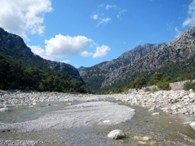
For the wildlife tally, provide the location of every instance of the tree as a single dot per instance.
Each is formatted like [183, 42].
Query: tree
[139, 81]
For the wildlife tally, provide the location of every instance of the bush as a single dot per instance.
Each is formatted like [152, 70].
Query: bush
[147, 90]
[139, 81]
[161, 80]
[189, 85]
[164, 85]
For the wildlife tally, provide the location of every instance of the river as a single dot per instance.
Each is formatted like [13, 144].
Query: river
[164, 129]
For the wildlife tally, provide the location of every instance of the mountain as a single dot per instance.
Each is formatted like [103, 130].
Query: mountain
[96, 75]
[15, 54]
[81, 68]
[147, 58]
[14, 48]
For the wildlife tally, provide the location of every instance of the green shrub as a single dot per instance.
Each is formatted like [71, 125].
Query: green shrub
[164, 85]
[147, 90]
[189, 85]
[154, 89]
[161, 80]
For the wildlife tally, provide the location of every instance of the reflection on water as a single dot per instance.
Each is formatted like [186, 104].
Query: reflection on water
[164, 129]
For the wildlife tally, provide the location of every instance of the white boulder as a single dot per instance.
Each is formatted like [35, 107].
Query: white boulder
[192, 125]
[116, 134]
[192, 95]
[155, 114]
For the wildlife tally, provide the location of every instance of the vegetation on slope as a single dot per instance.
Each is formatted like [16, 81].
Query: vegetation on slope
[14, 76]
[179, 71]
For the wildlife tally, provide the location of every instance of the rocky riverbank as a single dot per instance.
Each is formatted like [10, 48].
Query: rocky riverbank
[173, 102]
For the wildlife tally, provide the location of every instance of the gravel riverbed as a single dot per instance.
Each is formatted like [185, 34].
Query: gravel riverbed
[173, 102]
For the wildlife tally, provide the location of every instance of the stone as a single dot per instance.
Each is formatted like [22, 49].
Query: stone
[155, 114]
[146, 138]
[142, 142]
[106, 121]
[183, 110]
[136, 137]
[192, 125]
[4, 108]
[192, 95]
[173, 107]
[192, 100]
[191, 91]
[116, 134]
[151, 109]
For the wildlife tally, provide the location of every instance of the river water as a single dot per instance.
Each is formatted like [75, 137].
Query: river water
[164, 129]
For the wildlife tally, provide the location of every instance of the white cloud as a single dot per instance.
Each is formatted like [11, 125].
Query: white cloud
[66, 61]
[95, 17]
[107, 12]
[178, 32]
[104, 21]
[40, 51]
[101, 51]
[190, 21]
[24, 16]
[86, 53]
[62, 45]
[101, 19]
[108, 7]
[120, 13]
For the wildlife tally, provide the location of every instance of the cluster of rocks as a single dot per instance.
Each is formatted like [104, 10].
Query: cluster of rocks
[173, 102]
[143, 140]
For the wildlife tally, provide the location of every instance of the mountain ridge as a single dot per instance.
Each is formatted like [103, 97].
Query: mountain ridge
[13, 47]
[177, 50]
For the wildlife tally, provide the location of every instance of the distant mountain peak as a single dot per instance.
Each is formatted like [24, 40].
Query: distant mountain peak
[147, 57]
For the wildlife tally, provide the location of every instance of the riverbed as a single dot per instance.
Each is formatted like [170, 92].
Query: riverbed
[163, 129]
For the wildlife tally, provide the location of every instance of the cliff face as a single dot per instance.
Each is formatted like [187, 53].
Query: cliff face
[147, 58]
[14, 48]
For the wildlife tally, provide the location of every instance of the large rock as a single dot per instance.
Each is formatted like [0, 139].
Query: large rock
[116, 134]
[192, 125]
[4, 108]
[192, 95]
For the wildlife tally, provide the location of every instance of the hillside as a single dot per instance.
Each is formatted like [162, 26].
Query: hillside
[15, 54]
[147, 58]
[13, 47]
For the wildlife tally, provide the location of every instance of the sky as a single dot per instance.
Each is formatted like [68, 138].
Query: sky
[88, 32]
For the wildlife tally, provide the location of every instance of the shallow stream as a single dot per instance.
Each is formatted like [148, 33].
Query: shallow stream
[164, 129]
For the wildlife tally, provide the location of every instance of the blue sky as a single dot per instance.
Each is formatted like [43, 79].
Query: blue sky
[87, 32]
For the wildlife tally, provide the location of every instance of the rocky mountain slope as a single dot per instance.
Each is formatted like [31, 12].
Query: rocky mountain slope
[13, 47]
[145, 58]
